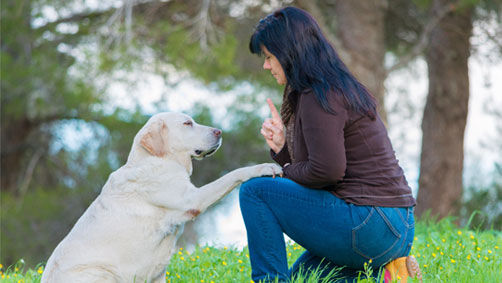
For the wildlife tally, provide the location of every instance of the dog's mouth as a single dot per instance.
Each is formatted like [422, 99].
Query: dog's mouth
[199, 153]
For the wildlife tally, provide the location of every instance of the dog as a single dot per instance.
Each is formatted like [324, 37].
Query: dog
[129, 232]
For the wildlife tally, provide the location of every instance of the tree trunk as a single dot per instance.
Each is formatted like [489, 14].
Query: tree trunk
[357, 33]
[360, 28]
[445, 113]
[14, 134]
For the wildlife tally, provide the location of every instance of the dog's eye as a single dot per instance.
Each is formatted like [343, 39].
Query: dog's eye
[188, 123]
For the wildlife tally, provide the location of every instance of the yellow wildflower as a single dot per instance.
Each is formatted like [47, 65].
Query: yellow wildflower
[497, 247]
[486, 257]
[1, 266]
[478, 248]
[167, 273]
[428, 245]
[469, 256]
[180, 253]
[202, 281]
[441, 253]
[289, 254]
[240, 261]
[472, 236]
[224, 263]
[459, 232]
[40, 270]
[452, 260]
[489, 251]
[182, 258]
[443, 240]
[433, 255]
[479, 256]
[425, 265]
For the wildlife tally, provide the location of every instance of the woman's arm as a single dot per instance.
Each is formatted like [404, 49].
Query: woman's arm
[324, 138]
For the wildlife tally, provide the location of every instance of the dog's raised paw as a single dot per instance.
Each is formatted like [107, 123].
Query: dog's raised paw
[269, 169]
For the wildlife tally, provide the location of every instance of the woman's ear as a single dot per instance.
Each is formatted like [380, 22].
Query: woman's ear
[155, 139]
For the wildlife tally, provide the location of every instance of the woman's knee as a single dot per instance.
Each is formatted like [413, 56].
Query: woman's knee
[251, 186]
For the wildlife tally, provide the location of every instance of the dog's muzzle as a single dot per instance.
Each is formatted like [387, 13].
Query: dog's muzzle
[199, 154]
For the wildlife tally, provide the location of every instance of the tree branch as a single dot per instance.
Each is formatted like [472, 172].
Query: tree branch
[423, 40]
[29, 171]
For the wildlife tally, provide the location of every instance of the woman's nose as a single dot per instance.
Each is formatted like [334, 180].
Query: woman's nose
[266, 65]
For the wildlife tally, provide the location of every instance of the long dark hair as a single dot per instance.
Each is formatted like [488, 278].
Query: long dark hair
[308, 59]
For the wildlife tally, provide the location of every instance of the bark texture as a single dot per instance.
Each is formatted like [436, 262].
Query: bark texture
[445, 113]
[356, 30]
[360, 28]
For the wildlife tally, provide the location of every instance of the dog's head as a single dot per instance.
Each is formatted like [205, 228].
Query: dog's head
[177, 136]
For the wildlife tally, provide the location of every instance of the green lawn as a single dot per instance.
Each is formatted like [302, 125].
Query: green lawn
[445, 253]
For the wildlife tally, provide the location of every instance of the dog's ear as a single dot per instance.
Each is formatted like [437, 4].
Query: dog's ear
[155, 139]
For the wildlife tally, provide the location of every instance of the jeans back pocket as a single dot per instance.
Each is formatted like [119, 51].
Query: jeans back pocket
[375, 236]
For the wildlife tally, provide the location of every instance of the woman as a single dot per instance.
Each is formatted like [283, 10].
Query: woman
[343, 197]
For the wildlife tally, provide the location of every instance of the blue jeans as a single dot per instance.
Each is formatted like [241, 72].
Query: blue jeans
[335, 234]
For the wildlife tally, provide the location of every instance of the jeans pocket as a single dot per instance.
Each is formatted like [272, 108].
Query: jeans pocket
[375, 236]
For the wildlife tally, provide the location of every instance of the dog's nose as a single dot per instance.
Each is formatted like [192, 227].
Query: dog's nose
[217, 132]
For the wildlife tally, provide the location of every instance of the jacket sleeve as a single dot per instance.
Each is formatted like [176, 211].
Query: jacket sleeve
[323, 133]
[282, 157]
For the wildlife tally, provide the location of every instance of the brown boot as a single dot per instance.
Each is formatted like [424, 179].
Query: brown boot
[401, 268]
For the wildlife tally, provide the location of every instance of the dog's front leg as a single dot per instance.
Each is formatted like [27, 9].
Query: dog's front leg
[214, 191]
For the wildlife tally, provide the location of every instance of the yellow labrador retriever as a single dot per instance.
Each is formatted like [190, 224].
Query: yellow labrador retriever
[129, 232]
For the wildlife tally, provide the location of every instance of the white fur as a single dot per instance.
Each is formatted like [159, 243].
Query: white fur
[129, 232]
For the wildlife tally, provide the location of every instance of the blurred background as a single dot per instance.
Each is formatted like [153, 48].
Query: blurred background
[80, 77]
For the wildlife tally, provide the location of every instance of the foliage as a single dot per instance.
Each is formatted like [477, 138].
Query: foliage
[445, 254]
[482, 206]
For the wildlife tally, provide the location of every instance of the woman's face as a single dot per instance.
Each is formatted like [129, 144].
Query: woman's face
[271, 63]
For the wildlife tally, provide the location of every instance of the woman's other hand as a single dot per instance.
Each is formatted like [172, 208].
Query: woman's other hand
[273, 129]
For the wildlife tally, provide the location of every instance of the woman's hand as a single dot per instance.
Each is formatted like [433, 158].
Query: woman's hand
[273, 129]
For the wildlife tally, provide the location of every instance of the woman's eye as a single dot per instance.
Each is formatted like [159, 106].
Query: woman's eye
[188, 123]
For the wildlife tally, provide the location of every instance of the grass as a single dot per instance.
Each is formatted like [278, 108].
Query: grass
[445, 253]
